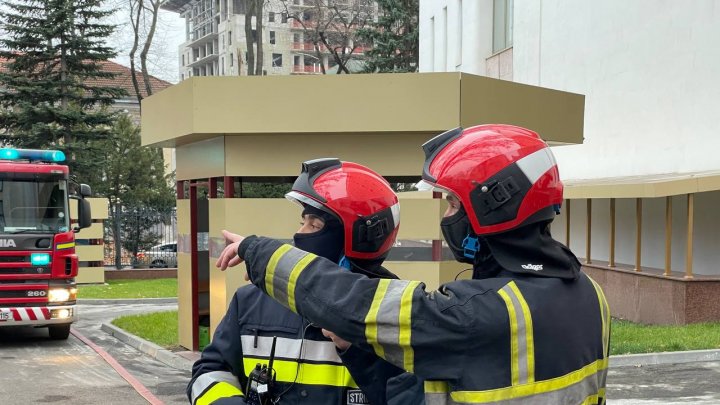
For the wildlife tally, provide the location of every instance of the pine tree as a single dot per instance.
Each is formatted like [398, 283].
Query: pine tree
[394, 38]
[133, 179]
[50, 91]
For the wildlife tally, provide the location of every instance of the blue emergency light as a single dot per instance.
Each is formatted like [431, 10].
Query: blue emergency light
[32, 154]
[40, 259]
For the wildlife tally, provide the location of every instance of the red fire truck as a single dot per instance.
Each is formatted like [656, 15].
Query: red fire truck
[38, 263]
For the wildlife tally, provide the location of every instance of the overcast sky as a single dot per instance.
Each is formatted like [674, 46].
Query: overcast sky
[163, 60]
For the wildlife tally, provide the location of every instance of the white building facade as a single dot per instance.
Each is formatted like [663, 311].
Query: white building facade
[649, 71]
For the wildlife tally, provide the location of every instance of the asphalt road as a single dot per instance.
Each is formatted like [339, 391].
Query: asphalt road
[36, 370]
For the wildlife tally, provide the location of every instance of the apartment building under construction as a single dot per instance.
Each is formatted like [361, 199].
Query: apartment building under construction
[291, 35]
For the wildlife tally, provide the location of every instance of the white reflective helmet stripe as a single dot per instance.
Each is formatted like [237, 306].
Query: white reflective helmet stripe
[536, 164]
[395, 209]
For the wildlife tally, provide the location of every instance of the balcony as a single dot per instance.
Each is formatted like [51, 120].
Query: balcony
[311, 69]
[203, 60]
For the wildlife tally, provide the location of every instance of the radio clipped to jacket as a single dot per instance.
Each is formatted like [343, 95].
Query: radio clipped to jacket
[261, 381]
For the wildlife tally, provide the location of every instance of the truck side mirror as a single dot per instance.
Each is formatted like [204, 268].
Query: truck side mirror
[84, 216]
[85, 190]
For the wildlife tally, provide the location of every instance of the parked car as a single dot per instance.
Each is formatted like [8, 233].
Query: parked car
[159, 256]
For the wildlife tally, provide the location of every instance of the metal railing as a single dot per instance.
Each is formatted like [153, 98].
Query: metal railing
[146, 238]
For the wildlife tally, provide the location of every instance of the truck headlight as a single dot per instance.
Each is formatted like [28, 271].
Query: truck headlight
[62, 294]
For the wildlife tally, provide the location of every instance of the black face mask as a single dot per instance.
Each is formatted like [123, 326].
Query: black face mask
[329, 242]
[455, 229]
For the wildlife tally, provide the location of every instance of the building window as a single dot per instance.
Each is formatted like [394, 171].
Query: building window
[502, 24]
[222, 66]
[272, 37]
[277, 60]
[254, 35]
[232, 59]
[271, 17]
[283, 17]
[229, 37]
[296, 60]
[183, 59]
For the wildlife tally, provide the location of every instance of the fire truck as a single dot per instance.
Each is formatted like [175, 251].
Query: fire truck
[38, 263]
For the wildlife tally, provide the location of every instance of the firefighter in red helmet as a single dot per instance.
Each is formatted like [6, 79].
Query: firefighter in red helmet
[530, 327]
[350, 216]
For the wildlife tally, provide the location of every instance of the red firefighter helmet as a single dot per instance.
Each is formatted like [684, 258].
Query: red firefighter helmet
[362, 200]
[505, 176]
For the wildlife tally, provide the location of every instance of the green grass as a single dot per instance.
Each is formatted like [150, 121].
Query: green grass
[156, 288]
[627, 337]
[160, 328]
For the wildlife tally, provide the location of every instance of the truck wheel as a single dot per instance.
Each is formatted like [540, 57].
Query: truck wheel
[59, 332]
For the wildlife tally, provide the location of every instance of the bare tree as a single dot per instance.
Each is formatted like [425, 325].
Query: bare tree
[253, 37]
[331, 26]
[143, 19]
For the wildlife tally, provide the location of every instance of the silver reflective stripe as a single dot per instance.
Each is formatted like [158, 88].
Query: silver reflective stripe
[388, 322]
[536, 164]
[575, 393]
[203, 382]
[282, 274]
[437, 399]
[285, 348]
[521, 337]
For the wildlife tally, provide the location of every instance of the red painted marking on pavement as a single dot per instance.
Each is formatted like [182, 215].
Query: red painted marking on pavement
[134, 382]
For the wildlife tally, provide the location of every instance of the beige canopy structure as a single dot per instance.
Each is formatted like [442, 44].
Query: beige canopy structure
[651, 241]
[233, 132]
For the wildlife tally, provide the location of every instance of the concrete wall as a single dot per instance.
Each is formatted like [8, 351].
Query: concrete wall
[90, 243]
[455, 35]
[648, 70]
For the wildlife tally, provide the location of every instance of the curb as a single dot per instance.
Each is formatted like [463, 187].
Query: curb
[649, 359]
[626, 360]
[91, 301]
[151, 349]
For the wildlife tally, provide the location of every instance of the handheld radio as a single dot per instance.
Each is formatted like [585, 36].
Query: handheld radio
[261, 381]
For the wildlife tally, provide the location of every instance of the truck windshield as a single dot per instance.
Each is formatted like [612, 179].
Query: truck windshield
[33, 206]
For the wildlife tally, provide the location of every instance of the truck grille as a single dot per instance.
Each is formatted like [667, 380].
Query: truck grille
[24, 270]
[14, 259]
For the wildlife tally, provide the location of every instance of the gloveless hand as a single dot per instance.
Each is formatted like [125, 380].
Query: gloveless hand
[229, 256]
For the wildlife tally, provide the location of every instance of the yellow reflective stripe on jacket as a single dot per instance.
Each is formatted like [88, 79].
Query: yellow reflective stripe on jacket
[406, 326]
[217, 391]
[388, 322]
[581, 383]
[604, 315]
[307, 373]
[210, 386]
[270, 269]
[522, 347]
[371, 329]
[283, 270]
[436, 387]
[292, 280]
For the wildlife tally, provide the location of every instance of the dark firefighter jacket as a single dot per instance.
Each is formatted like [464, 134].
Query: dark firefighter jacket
[510, 339]
[309, 370]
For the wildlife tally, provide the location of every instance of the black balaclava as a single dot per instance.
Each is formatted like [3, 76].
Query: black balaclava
[329, 242]
[531, 250]
[455, 229]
